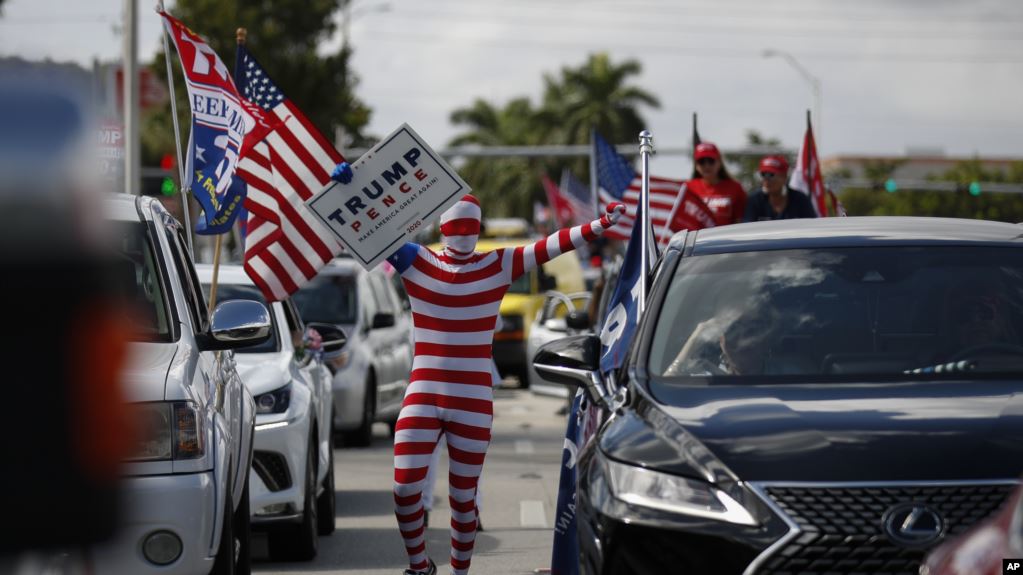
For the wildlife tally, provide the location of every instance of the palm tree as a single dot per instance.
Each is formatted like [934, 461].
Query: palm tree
[505, 186]
[596, 95]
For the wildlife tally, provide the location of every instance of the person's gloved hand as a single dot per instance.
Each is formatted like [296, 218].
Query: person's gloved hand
[614, 212]
[342, 173]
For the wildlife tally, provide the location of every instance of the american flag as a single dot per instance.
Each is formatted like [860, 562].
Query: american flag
[579, 195]
[285, 245]
[619, 182]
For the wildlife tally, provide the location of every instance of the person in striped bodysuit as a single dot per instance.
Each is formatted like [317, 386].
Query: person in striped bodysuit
[455, 297]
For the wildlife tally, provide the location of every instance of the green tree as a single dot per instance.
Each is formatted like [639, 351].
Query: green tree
[596, 94]
[284, 36]
[746, 167]
[506, 186]
[958, 204]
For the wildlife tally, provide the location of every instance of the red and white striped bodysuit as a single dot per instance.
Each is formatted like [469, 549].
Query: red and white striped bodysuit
[455, 298]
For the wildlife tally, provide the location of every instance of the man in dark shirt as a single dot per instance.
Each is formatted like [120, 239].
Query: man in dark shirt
[775, 200]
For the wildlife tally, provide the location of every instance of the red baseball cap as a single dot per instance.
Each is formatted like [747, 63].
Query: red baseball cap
[774, 164]
[707, 150]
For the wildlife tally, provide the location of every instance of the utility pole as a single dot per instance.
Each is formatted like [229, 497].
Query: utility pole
[132, 144]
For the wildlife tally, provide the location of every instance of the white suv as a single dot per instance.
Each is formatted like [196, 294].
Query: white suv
[291, 487]
[185, 490]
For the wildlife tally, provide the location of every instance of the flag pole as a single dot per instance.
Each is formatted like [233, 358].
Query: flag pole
[594, 194]
[177, 133]
[646, 147]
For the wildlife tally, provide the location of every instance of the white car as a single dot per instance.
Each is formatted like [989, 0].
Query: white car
[291, 489]
[550, 324]
[371, 374]
[185, 490]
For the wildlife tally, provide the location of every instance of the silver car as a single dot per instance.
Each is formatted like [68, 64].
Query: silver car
[291, 488]
[186, 496]
[371, 375]
[551, 324]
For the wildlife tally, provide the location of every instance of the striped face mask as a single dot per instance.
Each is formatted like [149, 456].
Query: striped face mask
[460, 226]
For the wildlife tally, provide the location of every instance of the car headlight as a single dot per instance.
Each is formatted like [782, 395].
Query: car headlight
[167, 430]
[275, 401]
[665, 492]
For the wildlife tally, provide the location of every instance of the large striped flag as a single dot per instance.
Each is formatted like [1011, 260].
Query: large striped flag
[285, 245]
[617, 181]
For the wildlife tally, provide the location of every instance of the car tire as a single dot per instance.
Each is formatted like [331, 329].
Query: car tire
[225, 562]
[299, 542]
[325, 503]
[243, 533]
[363, 435]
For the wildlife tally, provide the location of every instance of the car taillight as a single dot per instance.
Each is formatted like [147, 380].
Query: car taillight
[167, 430]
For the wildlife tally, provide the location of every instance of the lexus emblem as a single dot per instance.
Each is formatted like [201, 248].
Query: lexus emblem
[913, 524]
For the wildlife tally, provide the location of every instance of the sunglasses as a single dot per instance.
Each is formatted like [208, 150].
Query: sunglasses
[767, 175]
[706, 161]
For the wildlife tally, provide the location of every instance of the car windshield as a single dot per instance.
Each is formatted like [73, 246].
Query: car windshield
[227, 292]
[138, 283]
[328, 299]
[800, 315]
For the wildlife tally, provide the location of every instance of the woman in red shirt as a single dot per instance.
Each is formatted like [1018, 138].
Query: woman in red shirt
[723, 195]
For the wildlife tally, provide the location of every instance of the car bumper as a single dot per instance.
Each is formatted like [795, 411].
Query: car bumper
[277, 480]
[182, 504]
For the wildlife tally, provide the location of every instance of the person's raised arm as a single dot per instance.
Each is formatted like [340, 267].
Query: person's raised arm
[526, 258]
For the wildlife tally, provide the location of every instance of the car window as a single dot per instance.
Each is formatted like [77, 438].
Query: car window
[840, 313]
[189, 281]
[381, 293]
[226, 292]
[523, 284]
[369, 303]
[328, 299]
[295, 327]
[139, 284]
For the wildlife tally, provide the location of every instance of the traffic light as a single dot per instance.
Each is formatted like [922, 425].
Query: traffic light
[974, 188]
[167, 186]
[890, 186]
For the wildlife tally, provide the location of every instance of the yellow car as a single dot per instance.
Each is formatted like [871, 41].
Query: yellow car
[523, 300]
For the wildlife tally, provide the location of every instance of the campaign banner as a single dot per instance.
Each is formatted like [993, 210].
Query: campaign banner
[398, 187]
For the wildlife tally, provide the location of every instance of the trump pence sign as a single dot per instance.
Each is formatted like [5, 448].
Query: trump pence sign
[397, 187]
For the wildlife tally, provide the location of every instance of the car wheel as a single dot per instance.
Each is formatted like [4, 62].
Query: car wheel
[363, 435]
[243, 534]
[326, 522]
[224, 564]
[299, 542]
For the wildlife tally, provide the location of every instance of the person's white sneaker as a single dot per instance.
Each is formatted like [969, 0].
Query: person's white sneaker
[431, 570]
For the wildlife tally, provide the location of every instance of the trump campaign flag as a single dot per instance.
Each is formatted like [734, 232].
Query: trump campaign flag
[565, 551]
[690, 212]
[220, 121]
[807, 175]
[617, 181]
[623, 307]
[285, 244]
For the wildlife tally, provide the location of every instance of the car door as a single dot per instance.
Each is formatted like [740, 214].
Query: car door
[310, 364]
[389, 343]
[215, 368]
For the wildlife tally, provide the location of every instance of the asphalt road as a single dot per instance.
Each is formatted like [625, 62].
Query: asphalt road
[520, 489]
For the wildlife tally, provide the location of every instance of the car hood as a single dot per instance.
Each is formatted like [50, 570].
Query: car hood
[263, 372]
[145, 373]
[869, 432]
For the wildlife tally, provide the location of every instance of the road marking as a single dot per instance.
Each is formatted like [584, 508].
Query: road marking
[518, 410]
[523, 447]
[532, 514]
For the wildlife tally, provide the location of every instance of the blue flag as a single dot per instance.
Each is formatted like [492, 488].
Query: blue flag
[220, 121]
[565, 553]
[623, 307]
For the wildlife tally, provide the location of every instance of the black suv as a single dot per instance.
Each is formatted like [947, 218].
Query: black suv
[806, 396]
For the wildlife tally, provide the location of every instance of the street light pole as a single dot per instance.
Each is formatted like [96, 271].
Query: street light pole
[815, 86]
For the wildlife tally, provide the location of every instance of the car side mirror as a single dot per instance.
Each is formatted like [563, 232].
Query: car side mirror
[237, 323]
[573, 360]
[578, 320]
[382, 319]
[334, 338]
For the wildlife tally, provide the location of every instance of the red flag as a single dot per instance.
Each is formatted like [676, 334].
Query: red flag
[807, 175]
[563, 213]
[690, 212]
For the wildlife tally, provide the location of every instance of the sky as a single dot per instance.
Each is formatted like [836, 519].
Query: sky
[896, 75]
